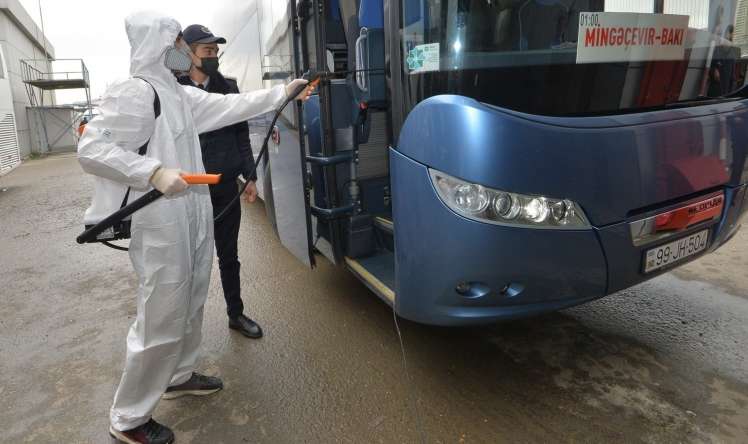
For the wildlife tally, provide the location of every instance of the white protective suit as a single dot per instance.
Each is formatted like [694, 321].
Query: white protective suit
[172, 239]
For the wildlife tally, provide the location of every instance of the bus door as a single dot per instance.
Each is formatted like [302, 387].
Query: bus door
[321, 47]
[286, 148]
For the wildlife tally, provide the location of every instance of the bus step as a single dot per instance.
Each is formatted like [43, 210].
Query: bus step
[377, 272]
[385, 231]
[385, 224]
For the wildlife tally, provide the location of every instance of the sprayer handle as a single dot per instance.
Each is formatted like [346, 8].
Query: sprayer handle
[202, 179]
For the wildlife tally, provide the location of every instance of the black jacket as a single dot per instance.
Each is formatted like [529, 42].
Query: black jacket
[226, 151]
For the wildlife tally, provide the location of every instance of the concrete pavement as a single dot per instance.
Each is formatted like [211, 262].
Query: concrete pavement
[662, 362]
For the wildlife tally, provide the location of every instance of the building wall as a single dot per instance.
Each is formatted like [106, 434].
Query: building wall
[58, 120]
[17, 45]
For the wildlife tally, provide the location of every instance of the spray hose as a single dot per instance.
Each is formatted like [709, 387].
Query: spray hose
[313, 82]
[93, 232]
[314, 78]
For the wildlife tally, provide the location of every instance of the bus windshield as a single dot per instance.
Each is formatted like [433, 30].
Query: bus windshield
[575, 57]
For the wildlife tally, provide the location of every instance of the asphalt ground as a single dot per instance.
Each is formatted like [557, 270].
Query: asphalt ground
[663, 362]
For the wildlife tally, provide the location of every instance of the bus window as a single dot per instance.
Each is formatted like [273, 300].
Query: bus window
[527, 55]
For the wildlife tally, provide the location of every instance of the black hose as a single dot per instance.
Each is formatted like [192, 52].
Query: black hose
[311, 76]
[263, 152]
[116, 247]
[91, 233]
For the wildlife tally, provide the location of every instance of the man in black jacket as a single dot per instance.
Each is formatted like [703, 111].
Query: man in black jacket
[225, 151]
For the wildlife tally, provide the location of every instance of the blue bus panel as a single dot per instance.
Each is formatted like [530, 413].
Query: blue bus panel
[452, 271]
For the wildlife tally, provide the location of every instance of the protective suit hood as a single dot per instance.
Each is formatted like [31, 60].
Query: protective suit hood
[151, 34]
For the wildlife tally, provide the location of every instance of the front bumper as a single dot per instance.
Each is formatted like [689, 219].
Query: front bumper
[455, 271]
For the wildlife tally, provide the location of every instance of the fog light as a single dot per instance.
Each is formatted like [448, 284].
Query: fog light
[463, 288]
[472, 290]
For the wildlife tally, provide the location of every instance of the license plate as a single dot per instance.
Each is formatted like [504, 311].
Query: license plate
[675, 251]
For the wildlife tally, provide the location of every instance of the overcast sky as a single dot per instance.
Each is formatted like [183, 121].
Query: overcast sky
[95, 32]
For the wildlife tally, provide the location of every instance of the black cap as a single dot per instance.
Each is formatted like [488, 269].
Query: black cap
[200, 34]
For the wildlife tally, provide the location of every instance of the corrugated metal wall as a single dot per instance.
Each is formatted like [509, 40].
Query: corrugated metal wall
[10, 155]
[643, 6]
[697, 10]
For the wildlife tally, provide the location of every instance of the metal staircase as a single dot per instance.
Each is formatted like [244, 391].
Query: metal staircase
[72, 74]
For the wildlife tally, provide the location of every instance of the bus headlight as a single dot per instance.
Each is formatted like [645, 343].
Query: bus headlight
[504, 208]
[472, 199]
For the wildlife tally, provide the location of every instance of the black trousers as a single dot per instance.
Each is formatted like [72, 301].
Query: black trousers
[227, 236]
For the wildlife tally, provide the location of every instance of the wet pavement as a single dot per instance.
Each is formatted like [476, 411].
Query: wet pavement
[662, 362]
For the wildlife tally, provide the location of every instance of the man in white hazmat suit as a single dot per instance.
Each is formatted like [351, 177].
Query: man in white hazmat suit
[171, 247]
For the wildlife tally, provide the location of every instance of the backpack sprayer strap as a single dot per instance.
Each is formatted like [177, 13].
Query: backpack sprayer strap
[144, 149]
[121, 230]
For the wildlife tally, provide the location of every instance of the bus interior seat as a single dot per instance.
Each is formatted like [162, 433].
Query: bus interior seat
[483, 21]
[371, 14]
[544, 23]
[502, 31]
[336, 42]
[334, 29]
[412, 12]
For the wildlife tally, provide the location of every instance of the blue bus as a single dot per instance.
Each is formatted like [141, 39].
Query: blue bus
[474, 161]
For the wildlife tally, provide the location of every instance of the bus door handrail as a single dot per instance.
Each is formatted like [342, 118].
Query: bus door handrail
[361, 80]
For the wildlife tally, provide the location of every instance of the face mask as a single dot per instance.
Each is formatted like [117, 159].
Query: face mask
[209, 65]
[178, 59]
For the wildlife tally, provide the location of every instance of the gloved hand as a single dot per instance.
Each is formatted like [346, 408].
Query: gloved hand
[294, 85]
[169, 181]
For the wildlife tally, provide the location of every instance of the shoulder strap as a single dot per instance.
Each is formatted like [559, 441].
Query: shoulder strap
[143, 149]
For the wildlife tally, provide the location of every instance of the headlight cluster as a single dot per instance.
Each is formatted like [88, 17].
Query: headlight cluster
[504, 208]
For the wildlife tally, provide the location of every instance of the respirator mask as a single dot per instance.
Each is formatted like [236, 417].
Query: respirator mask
[178, 59]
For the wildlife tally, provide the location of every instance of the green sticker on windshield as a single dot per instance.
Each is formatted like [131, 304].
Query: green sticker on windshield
[423, 58]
